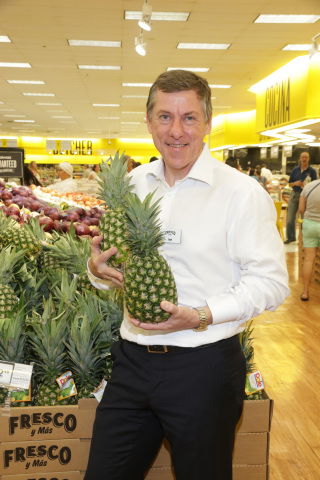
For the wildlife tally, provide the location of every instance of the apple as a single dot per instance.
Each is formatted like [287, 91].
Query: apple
[46, 222]
[85, 220]
[14, 211]
[82, 229]
[14, 205]
[5, 194]
[94, 221]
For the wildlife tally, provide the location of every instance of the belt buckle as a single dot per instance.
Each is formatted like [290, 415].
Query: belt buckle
[165, 349]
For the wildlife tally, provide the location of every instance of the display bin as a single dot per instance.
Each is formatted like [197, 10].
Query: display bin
[29, 452]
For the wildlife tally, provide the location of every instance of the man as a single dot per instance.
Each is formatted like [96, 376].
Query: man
[265, 172]
[298, 179]
[184, 378]
[233, 162]
[65, 183]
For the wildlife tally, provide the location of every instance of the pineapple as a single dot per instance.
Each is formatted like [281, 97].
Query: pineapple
[246, 341]
[114, 190]
[72, 254]
[8, 298]
[12, 342]
[47, 334]
[19, 236]
[148, 278]
[85, 359]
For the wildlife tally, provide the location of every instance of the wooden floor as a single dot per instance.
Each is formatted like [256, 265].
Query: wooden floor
[287, 352]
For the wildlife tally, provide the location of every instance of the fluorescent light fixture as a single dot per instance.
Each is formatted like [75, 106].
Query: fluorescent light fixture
[145, 19]
[204, 46]
[24, 121]
[105, 105]
[190, 69]
[141, 46]
[297, 47]
[93, 43]
[48, 104]
[16, 116]
[314, 144]
[4, 39]
[137, 85]
[159, 16]
[287, 128]
[220, 86]
[27, 82]
[134, 96]
[314, 46]
[287, 19]
[15, 65]
[99, 67]
[38, 94]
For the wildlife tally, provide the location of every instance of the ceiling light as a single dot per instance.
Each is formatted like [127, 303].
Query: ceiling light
[93, 43]
[48, 104]
[99, 67]
[137, 85]
[287, 19]
[25, 121]
[5, 39]
[297, 47]
[204, 46]
[166, 16]
[105, 105]
[16, 116]
[220, 86]
[15, 65]
[193, 69]
[27, 82]
[314, 144]
[141, 46]
[314, 46]
[39, 94]
[145, 20]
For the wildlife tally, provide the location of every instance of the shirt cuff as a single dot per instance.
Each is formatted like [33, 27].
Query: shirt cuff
[97, 282]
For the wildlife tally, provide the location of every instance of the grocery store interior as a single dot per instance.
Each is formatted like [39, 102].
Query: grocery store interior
[73, 87]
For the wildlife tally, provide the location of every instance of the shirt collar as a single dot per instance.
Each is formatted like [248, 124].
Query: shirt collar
[201, 170]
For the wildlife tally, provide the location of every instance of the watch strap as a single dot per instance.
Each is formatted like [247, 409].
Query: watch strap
[203, 325]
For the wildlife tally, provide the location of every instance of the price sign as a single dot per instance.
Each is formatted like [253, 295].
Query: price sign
[17, 376]
[6, 370]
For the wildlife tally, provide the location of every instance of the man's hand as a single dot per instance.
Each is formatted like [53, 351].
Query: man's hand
[182, 318]
[98, 265]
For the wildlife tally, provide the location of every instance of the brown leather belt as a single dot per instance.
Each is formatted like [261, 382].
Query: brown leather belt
[167, 348]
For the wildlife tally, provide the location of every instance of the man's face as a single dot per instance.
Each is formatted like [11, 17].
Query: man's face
[304, 159]
[178, 127]
[62, 174]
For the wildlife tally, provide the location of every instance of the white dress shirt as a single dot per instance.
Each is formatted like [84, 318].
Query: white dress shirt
[65, 186]
[230, 256]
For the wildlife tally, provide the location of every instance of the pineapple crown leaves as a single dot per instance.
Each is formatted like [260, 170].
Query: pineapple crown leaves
[9, 259]
[71, 252]
[12, 336]
[37, 229]
[84, 355]
[114, 182]
[144, 227]
[246, 342]
[65, 291]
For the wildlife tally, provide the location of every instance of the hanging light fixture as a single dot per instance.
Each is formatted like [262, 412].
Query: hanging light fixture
[141, 46]
[314, 46]
[145, 21]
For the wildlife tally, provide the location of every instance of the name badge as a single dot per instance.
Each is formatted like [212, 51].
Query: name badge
[172, 236]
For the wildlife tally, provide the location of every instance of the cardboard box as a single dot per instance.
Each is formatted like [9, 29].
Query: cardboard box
[17, 458]
[48, 423]
[44, 476]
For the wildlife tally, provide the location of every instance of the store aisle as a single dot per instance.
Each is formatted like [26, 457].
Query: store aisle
[287, 352]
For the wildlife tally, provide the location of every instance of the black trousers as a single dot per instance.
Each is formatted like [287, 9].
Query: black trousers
[193, 397]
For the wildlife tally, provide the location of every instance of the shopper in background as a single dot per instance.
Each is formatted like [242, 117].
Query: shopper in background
[233, 162]
[300, 175]
[86, 173]
[309, 207]
[31, 176]
[153, 159]
[265, 172]
[94, 174]
[257, 176]
[184, 378]
[130, 162]
[66, 183]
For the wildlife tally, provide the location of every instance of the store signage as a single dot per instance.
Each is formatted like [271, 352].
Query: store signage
[78, 147]
[263, 153]
[11, 163]
[275, 151]
[277, 103]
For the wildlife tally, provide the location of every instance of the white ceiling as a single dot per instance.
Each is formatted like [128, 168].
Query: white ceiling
[39, 30]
